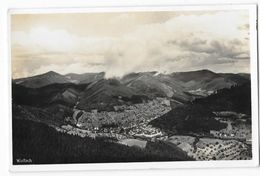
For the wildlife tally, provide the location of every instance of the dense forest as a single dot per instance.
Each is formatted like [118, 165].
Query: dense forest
[44, 145]
[237, 98]
[47, 95]
[197, 116]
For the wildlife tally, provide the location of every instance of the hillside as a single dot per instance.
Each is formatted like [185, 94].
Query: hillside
[155, 84]
[92, 91]
[136, 118]
[42, 80]
[65, 94]
[104, 94]
[188, 119]
[182, 86]
[44, 145]
[208, 80]
[85, 78]
[198, 116]
[237, 98]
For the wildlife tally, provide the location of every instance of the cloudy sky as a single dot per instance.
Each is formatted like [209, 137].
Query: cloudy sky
[119, 43]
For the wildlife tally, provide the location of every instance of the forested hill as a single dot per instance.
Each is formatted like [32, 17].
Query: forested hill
[237, 98]
[198, 116]
[44, 145]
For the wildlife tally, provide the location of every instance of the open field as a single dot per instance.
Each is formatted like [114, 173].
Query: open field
[212, 149]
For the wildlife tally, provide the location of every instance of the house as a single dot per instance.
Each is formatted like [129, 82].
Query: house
[94, 111]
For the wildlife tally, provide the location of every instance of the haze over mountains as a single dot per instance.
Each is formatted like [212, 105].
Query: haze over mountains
[180, 86]
[203, 79]
[54, 77]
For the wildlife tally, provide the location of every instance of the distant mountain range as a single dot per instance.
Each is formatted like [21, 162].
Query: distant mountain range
[190, 80]
[42, 80]
[181, 86]
[52, 77]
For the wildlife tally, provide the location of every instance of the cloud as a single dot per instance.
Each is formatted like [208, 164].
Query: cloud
[181, 42]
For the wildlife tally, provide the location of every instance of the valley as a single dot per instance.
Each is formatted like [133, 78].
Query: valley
[193, 115]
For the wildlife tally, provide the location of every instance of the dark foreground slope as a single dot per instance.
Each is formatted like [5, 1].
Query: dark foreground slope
[237, 99]
[198, 116]
[48, 104]
[188, 119]
[44, 145]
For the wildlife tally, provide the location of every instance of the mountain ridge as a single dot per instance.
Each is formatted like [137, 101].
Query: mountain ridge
[182, 86]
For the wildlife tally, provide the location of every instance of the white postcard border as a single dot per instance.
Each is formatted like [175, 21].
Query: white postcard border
[152, 165]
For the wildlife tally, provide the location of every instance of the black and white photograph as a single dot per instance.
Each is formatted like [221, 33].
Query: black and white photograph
[133, 86]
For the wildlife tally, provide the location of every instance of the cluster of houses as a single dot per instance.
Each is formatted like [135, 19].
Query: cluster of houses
[220, 134]
[72, 130]
[145, 131]
[124, 116]
[126, 120]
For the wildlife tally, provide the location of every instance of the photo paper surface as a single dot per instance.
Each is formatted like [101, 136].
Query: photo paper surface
[162, 85]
